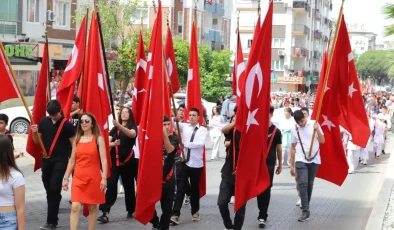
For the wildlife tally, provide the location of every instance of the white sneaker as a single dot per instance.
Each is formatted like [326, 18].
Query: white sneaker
[298, 202]
[232, 200]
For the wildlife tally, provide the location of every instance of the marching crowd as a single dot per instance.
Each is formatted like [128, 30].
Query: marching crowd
[77, 149]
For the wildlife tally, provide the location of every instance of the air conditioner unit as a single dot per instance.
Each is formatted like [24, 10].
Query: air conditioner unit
[50, 16]
[281, 52]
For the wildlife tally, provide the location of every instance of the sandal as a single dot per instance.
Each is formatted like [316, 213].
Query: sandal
[103, 218]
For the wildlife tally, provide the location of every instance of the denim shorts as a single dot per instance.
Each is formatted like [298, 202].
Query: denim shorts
[8, 221]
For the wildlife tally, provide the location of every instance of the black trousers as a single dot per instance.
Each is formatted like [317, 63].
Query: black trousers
[52, 178]
[187, 184]
[227, 189]
[167, 198]
[263, 200]
[185, 173]
[128, 172]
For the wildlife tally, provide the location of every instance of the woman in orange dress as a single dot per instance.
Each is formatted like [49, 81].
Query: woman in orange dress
[89, 182]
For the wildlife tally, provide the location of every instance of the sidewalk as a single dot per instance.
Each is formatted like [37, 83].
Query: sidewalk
[332, 207]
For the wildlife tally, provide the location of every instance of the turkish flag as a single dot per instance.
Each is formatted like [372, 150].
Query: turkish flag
[39, 109]
[238, 70]
[95, 85]
[171, 64]
[150, 175]
[9, 89]
[331, 152]
[252, 176]
[73, 71]
[193, 95]
[353, 116]
[241, 81]
[140, 82]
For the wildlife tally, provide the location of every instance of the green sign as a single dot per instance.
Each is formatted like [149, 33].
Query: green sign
[314, 79]
[273, 78]
[18, 50]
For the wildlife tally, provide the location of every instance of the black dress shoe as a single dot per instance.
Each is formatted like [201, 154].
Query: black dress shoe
[48, 227]
[130, 215]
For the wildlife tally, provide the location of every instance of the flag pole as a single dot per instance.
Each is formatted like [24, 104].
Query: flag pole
[49, 78]
[82, 75]
[172, 97]
[320, 102]
[105, 65]
[23, 98]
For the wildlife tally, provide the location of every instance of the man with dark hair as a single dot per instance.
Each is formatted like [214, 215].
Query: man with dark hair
[305, 111]
[302, 165]
[274, 149]
[75, 111]
[3, 130]
[170, 147]
[384, 114]
[57, 135]
[227, 185]
[194, 137]
[181, 113]
[296, 102]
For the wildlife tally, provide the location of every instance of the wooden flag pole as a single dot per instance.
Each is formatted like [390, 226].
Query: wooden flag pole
[23, 99]
[320, 102]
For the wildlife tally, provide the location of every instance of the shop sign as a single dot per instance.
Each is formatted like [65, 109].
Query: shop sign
[289, 80]
[18, 50]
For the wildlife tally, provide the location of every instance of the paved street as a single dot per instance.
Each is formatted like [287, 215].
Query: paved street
[332, 207]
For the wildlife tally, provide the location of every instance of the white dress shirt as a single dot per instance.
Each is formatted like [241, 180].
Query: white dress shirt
[306, 133]
[197, 146]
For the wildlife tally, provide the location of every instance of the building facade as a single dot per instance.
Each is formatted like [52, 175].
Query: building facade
[22, 30]
[213, 20]
[299, 37]
[361, 39]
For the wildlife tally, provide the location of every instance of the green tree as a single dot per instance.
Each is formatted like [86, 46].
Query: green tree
[375, 64]
[214, 68]
[119, 35]
[388, 12]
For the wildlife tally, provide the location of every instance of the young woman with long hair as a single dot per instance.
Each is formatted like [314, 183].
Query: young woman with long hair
[122, 139]
[89, 182]
[215, 132]
[12, 189]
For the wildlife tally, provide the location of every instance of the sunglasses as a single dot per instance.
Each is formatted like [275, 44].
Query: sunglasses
[85, 121]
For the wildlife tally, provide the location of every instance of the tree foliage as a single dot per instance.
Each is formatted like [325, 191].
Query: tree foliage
[214, 68]
[376, 64]
[388, 12]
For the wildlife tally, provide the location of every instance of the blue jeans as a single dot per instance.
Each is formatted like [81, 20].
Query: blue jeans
[8, 221]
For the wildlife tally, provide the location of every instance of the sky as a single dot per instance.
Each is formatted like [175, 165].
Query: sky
[365, 12]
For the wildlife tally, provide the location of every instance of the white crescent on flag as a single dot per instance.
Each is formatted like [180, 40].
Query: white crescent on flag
[170, 67]
[255, 71]
[240, 70]
[74, 56]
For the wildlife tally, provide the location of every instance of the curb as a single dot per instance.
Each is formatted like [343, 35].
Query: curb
[376, 218]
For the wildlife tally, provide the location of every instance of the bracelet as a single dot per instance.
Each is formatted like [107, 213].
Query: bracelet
[65, 179]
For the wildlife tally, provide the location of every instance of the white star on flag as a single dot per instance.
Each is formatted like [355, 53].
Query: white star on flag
[351, 90]
[251, 120]
[327, 122]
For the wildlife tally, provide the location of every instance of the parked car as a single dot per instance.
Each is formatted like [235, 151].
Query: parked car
[18, 120]
[206, 105]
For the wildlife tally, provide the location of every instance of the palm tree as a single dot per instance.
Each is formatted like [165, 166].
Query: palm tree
[388, 11]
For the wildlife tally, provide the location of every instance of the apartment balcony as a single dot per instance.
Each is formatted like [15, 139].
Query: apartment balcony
[298, 52]
[299, 29]
[316, 54]
[317, 15]
[300, 6]
[213, 35]
[215, 8]
[10, 27]
[318, 34]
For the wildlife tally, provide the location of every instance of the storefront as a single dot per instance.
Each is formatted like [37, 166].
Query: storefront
[286, 83]
[312, 83]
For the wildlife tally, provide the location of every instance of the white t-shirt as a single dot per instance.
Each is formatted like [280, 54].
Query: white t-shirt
[306, 133]
[7, 188]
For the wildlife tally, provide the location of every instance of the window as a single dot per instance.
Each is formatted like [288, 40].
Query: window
[278, 43]
[277, 65]
[138, 15]
[62, 13]
[214, 21]
[249, 43]
[33, 14]
[9, 10]
[180, 21]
